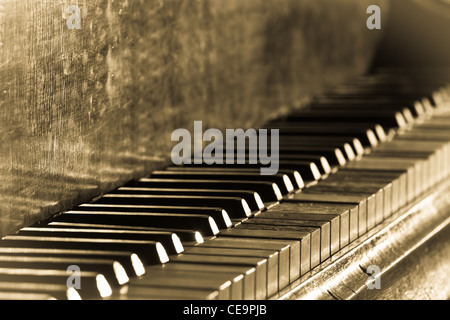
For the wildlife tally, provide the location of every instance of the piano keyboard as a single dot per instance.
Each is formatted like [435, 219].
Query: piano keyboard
[348, 162]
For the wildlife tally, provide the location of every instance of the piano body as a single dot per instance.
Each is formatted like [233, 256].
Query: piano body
[91, 90]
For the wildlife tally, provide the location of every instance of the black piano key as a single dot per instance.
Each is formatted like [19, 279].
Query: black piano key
[297, 171]
[235, 207]
[331, 141]
[406, 112]
[203, 223]
[414, 106]
[380, 91]
[388, 94]
[345, 148]
[367, 136]
[321, 163]
[219, 215]
[303, 166]
[309, 170]
[333, 155]
[283, 182]
[369, 101]
[130, 261]
[268, 191]
[184, 235]
[94, 284]
[252, 198]
[150, 252]
[169, 240]
[113, 271]
[327, 151]
[292, 173]
[369, 133]
[294, 176]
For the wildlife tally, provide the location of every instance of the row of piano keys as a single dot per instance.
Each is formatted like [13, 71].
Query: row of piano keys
[350, 160]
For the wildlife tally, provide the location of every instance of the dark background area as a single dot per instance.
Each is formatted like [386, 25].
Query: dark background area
[418, 35]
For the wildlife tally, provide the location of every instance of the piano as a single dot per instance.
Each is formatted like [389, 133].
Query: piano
[359, 208]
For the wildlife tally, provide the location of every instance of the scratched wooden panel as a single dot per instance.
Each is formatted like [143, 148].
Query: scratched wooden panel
[84, 110]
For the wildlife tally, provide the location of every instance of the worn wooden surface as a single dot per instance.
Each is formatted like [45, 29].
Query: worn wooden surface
[423, 275]
[82, 111]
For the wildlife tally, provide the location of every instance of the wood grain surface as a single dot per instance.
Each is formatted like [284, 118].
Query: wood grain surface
[84, 110]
